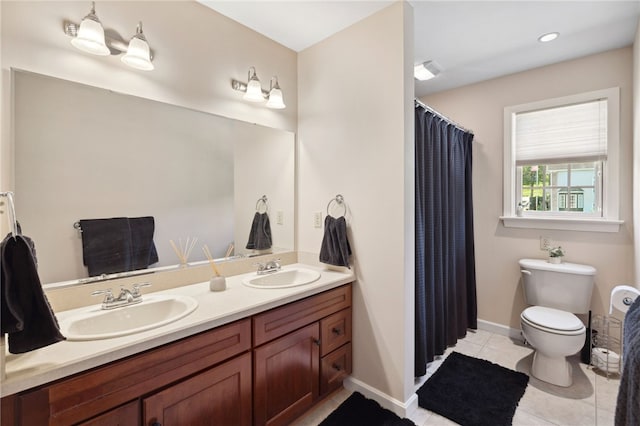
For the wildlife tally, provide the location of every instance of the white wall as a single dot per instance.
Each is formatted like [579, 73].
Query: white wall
[197, 53]
[356, 139]
[480, 107]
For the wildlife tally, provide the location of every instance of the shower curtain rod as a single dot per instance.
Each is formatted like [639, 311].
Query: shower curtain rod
[444, 117]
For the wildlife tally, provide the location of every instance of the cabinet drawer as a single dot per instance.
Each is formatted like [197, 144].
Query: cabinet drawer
[88, 394]
[334, 368]
[280, 321]
[335, 331]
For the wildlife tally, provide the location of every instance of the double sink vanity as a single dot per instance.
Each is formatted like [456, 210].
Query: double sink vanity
[263, 351]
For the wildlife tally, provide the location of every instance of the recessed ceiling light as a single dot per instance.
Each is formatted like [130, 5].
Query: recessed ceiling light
[544, 38]
[426, 70]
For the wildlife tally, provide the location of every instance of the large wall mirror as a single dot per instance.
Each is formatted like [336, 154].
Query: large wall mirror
[87, 153]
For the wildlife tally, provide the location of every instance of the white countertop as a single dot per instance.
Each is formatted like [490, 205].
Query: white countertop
[214, 309]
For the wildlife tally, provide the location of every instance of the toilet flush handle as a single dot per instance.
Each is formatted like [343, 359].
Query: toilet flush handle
[524, 271]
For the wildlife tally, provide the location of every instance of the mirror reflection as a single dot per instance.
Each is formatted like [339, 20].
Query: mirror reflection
[85, 153]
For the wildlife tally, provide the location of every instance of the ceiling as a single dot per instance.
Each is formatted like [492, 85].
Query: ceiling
[470, 41]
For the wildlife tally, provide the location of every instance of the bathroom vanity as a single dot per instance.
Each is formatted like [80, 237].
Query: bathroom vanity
[266, 363]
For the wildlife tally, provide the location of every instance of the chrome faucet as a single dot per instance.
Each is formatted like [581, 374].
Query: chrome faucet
[268, 267]
[125, 298]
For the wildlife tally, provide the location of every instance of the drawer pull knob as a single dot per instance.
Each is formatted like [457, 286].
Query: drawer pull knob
[336, 331]
[317, 341]
[336, 367]
[156, 424]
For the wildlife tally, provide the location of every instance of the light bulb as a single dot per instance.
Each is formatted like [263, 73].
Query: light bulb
[138, 55]
[276, 100]
[90, 38]
[254, 89]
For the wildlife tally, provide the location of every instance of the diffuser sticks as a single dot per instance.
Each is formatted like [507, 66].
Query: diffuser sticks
[184, 250]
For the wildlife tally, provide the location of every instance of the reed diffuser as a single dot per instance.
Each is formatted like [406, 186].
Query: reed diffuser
[217, 282]
[183, 251]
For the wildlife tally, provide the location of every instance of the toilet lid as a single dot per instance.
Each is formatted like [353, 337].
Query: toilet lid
[553, 319]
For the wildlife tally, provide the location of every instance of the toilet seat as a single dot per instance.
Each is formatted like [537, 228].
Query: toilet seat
[553, 321]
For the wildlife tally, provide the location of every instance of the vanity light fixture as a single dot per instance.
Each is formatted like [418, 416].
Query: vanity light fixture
[254, 93]
[276, 100]
[544, 38]
[138, 55]
[426, 70]
[90, 37]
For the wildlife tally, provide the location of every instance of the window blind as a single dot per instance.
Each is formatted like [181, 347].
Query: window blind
[566, 134]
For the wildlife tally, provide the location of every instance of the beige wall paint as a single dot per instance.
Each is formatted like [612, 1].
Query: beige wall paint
[636, 153]
[355, 91]
[480, 107]
[197, 53]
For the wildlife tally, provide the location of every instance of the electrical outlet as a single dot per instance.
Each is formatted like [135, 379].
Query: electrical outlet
[545, 243]
[317, 220]
[280, 217]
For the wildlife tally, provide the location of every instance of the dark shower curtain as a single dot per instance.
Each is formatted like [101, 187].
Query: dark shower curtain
[445, 302]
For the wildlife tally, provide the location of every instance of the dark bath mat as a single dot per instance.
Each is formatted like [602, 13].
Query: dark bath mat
[360, 411]
[473, 392]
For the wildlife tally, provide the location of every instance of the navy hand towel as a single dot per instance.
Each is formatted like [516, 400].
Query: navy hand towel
[143, 250]
[118, 244]
[260, 234]
[335, 249]
[26, 314]
[106, 245]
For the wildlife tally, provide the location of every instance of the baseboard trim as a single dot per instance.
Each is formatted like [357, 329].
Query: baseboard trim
[503, 330]
[402, 409]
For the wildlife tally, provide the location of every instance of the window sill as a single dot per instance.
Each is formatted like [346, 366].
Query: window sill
[566, 224]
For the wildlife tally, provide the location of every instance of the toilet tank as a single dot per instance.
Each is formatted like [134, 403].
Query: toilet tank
[564, 286]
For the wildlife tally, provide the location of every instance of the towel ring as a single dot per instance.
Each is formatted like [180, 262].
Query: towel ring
[13, 222]
[339, 200]
[262, 200]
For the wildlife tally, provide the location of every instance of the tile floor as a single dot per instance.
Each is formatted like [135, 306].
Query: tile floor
[590, 401]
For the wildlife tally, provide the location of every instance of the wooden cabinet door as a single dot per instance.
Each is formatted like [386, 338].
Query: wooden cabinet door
[127, 415]
[287, 376]
[219, 396]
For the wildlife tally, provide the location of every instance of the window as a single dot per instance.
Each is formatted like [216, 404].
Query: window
[561, 163]
[564, 187]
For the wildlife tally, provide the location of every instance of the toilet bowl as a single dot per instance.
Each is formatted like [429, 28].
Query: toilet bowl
[557, 292]
[554, 334]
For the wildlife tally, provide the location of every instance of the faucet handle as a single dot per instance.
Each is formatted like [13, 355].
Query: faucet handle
[274, 263]
[107, 292]
[261, 266]
[138, 286]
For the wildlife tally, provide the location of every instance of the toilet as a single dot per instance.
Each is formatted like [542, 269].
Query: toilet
[557, 292]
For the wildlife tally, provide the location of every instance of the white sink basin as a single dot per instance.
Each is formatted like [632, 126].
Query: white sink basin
[93, 323]
[283, 279]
